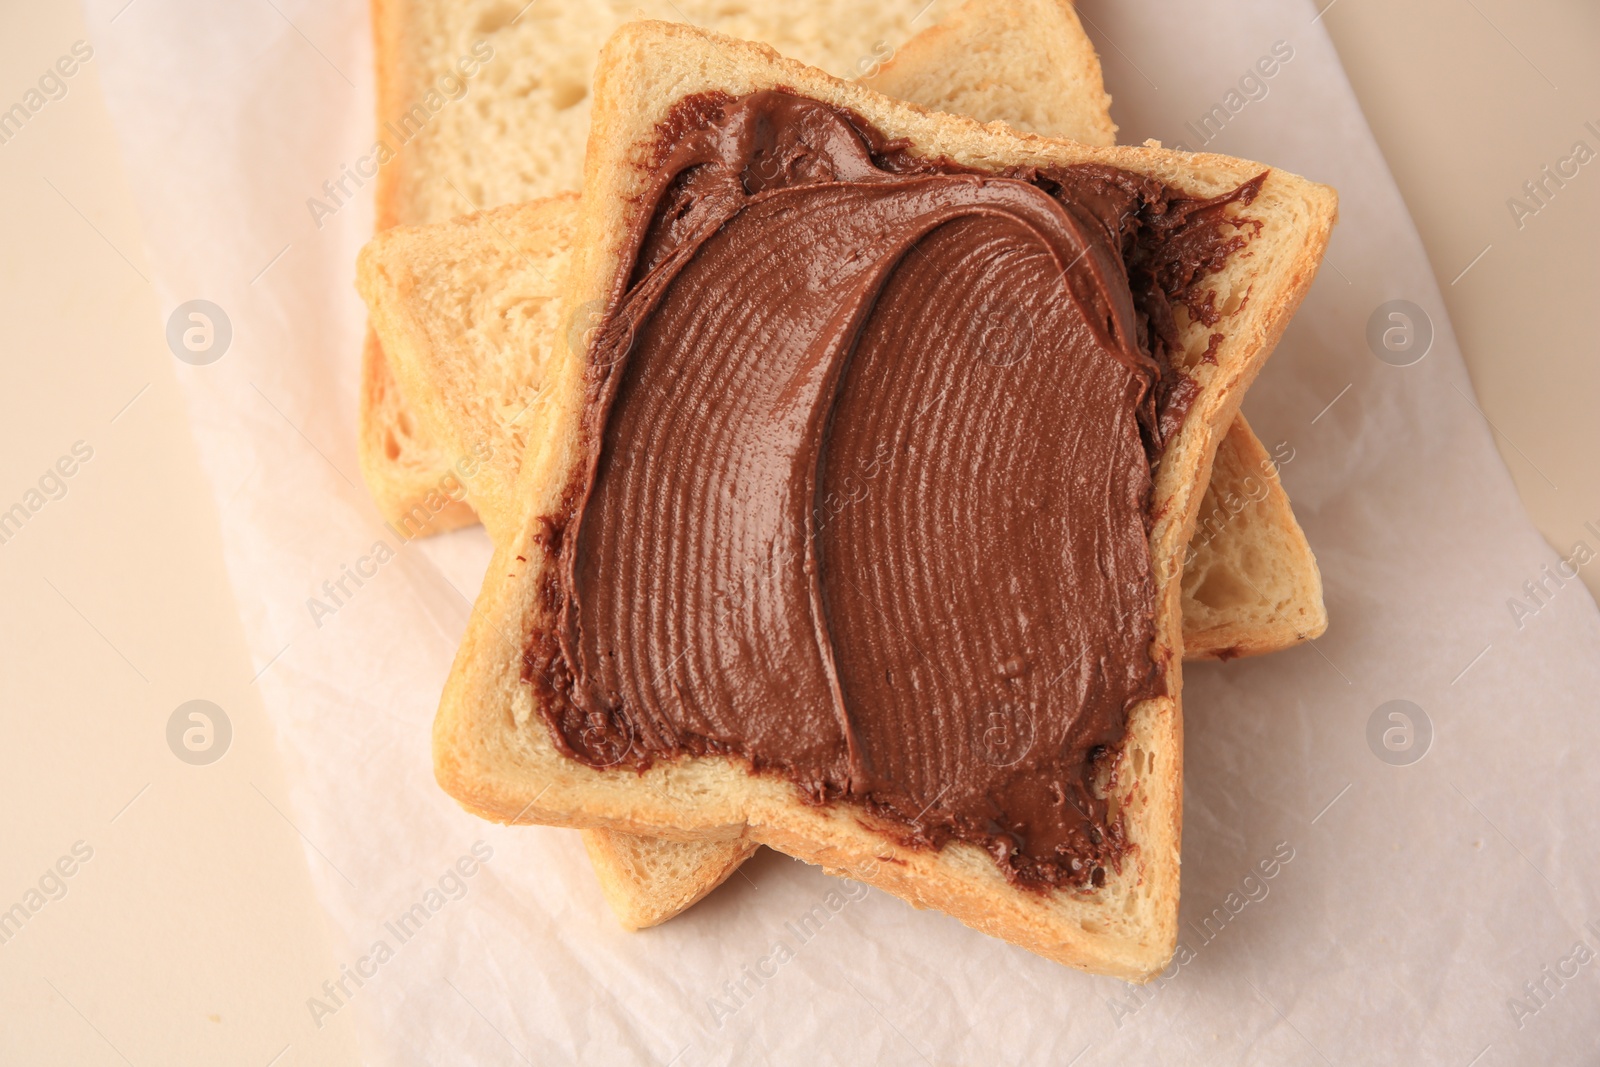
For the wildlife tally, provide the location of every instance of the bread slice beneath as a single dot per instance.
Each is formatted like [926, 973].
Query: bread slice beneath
[1250, 582]
[1026, 63]
[648, 880]
[493, 751]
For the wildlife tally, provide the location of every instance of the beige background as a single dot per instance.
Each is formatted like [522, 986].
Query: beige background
[191, 935]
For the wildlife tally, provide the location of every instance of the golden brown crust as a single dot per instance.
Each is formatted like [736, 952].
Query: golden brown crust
[391, 66]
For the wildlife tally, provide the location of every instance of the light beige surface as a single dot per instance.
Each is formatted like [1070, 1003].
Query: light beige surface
[196, 902]
[1468, 101]
[191, 935]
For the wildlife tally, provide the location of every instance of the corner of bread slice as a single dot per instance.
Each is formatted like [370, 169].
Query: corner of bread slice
[1028, 61]
[465, 311]
[647, 880]
[494, 752]
[1251, 584]
[492, 749]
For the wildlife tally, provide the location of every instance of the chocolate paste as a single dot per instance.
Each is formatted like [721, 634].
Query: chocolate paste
[870, 447]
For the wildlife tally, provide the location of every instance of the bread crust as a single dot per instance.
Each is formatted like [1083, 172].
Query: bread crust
[492, 750]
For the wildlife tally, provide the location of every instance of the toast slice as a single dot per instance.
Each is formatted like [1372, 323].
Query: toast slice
[971, 63]
[493, 749]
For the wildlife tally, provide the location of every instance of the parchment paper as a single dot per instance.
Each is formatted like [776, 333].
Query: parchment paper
[1409, 904]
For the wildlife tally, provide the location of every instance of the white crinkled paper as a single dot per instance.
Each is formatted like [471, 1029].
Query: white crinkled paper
[1337, 906]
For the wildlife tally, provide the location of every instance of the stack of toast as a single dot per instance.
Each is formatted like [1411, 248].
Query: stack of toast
[508, 244]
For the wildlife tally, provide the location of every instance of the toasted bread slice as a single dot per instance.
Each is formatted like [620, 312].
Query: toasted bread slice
[493, 751]
[482, 382]
[468, 311]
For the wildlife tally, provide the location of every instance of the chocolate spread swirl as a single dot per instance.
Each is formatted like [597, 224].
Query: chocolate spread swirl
[870, 441]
